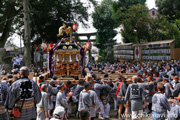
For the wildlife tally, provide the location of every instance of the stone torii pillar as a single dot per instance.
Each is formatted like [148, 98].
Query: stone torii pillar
[89, 51]
[88, 35]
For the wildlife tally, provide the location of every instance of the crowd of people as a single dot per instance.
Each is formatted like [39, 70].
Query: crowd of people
[152, 90]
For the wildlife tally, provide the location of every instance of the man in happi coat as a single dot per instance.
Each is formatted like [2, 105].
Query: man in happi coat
[42, 106]
[84, 98]
[53, 92]
[98, 86]
[120, 94]
[61, 99]
[174, 113]
[24, 92]
[160, 103]
[95, 103]
[135, 94]
[76, 91]
[3, 95]
[176, 90]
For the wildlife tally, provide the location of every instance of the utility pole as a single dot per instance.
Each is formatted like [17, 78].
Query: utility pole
[27, 34]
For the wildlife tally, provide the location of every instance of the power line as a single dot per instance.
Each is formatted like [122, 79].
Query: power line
[9, 19]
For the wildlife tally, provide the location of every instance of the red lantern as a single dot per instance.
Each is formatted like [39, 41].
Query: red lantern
[51, 46]
[44, 46]
[88, 45]
[74, 27]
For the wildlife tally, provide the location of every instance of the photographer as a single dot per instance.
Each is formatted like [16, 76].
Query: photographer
[22, 97]
[17, 61]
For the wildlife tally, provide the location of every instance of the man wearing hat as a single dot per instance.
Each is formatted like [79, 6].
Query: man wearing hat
[173, 82]
[41, 81]
[175, 92]
[174, 113]
[166, 84]
[42, 106]
[134, 94]
[58, 113]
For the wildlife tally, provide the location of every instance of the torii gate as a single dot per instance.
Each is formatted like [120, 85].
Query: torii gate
[88, 35]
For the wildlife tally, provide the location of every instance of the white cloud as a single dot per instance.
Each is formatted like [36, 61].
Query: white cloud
[151, 4]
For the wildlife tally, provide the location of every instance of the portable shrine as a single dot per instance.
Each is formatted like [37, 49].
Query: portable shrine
[66, 58]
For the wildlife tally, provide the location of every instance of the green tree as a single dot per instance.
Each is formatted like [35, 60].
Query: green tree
[104, 23]
[135, 24]
[162, 29]
[9, 9]
[48, 15]
[169, 8]
[46, 18]
[120, 7]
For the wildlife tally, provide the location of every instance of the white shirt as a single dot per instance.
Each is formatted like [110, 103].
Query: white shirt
[18, 61]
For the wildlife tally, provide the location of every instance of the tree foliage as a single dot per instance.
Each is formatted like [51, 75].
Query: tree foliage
[162, 29]
[46, 17]
[135, 24]
[120, 7]
[104, 23]
[169, 8]
[9, 9]
[138, 26]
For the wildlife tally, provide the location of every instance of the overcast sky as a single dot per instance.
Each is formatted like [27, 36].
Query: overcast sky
[150, 4]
